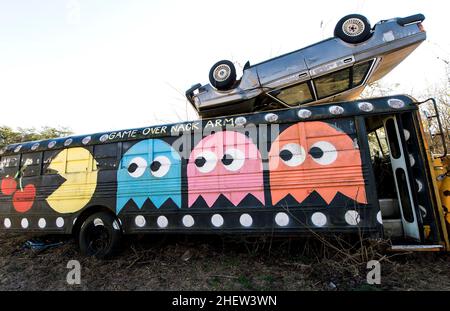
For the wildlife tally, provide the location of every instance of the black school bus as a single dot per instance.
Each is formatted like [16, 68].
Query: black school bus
[357, 166]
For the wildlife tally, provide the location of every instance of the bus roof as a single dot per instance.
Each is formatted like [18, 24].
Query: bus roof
[380, 105]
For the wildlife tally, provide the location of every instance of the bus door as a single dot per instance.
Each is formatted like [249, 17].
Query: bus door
[400, 161]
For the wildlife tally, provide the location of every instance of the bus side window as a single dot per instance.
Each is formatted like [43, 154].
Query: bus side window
[49, 158]
[106, 156]
[78, 162]
[10, 165]
[30, 164]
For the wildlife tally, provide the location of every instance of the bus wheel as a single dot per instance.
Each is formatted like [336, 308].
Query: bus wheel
[100, 235]
[353, 28]
[222, 75]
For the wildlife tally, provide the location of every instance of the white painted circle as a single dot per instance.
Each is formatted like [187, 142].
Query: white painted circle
[7, 223]
[396, 103]
[412, 161]
[329, 153]
[42, 223]
[68, 142]
[352, 217]
[240, 121]
[298, 154]
[238, 159]
[59, 222]
[282, 219]
[188, 221]
[17, 149]
[271, 117]
[24, 223]
[336, 110]
[419, 185]
[35, 146]
[103, 138]
[139, 221]
[365, 106]
[304, 113]
[217, 220]
[210, 163]
[86, 140]
[379, 218]
[407, 134]
[164, 166]
[246, 220]
[162, 221]
[52, 144]
[319, 219]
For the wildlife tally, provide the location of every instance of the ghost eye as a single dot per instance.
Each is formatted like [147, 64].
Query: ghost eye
[233, 159]
[206, 161]
[160, 166]
[323, 152]
[292, 154]
[136, 167]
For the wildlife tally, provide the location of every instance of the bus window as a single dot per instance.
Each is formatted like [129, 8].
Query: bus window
[30, 164]
[10, 165]
[106, 156]
[295, 95]
[378, 143]
[48, 158]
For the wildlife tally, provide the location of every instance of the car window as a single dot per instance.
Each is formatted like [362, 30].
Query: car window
[332, 83]
[295, 95]
[360, 72]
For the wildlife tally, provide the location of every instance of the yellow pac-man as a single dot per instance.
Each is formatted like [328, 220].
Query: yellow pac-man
[78, 168]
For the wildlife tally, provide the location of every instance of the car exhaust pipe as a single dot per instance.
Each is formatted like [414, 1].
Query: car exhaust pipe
[413, 19]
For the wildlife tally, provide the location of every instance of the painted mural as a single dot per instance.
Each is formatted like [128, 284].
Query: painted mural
[226, 163]
[315, 156]
[151, 169]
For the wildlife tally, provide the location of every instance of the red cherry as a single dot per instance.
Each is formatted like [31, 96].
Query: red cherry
[23, 200]
[8, 186]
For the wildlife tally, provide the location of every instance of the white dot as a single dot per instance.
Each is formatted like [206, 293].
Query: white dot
[319, 219]
[86, 140]
[379, 219]
[98, 222]
[246, 220]
[407, 134]
[188, 221]
[282, 219]
[217, 220]
[139, 221]
[7, 223]
[419, 185]
[24, 223]
[42, 223]
[412, 160]
[352, 217]
[162, 221]
[59, 222]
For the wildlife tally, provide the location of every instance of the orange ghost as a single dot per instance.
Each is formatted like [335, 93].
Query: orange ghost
[315, 156]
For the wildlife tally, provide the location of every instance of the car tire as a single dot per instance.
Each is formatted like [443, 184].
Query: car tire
[222, 75]
[100, 235]
[353, 28]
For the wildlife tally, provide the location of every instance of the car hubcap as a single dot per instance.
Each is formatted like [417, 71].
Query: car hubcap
[353, 27]
[222, 72]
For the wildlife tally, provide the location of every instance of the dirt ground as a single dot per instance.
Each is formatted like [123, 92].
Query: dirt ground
[158, 262]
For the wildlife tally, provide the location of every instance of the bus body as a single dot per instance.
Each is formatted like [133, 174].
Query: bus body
[359, 166]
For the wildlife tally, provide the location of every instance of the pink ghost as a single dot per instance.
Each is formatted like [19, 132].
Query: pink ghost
[226, 163]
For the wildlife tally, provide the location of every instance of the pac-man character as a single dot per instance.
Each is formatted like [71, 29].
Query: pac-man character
[151, 169]
[226, 163]
[315, 156]
[78, 168]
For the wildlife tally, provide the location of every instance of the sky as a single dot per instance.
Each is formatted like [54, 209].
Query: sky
[101, 65]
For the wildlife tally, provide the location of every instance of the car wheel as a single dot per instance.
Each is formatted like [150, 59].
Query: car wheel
[100, 235]
[222, 75]
[353, 28]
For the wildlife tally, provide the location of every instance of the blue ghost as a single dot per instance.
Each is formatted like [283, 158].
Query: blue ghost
[149, 169]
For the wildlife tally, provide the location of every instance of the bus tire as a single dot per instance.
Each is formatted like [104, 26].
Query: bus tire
[222, 75]
[100, 235]
[353, 28]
